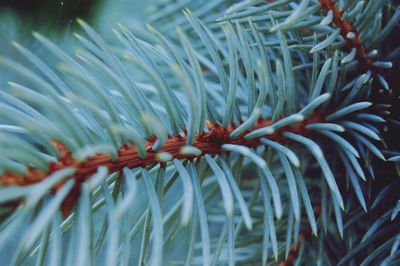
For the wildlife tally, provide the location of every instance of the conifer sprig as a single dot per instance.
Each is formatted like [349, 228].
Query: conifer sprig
[175, 147]
[351, 36]
[217, 141]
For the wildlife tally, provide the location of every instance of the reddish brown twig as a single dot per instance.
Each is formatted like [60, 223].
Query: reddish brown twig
[209, 142]
[347, 27]
[295, 248]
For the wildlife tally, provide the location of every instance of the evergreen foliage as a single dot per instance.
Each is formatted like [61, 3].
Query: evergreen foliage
[219, 133]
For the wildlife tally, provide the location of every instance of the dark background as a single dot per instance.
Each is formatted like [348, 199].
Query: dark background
[51, 13]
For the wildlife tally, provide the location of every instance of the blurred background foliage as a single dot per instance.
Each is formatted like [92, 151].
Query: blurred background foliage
[55, 15]
[57, 21]
[52, 17]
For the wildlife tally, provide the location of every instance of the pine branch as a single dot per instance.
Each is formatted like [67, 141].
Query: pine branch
[144, 122]
[174, 148]
[349, 34]
[359, 24]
